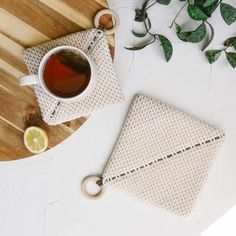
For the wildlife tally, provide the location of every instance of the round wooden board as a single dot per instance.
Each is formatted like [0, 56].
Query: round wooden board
[25, 23]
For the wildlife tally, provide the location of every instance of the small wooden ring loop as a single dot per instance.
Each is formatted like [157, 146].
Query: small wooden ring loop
[108, 12]
[96, 179]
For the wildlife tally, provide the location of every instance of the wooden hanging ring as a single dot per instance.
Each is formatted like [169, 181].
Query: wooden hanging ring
[98, 180]
[115, 17]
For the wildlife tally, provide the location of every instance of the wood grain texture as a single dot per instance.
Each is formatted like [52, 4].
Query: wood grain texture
[40, 17]
[25, 23]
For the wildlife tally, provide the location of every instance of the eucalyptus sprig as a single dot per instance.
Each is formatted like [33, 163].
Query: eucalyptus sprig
[198, 10]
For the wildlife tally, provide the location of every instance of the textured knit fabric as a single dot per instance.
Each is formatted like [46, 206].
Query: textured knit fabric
[162, 156]
[107, 91]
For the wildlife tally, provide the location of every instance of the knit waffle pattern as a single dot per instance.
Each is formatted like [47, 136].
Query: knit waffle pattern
[162, 156]
[106, 92]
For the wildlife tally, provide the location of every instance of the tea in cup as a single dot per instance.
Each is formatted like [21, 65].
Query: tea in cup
[65, 72]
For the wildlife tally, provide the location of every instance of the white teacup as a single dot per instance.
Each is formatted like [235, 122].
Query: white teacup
[39, 78]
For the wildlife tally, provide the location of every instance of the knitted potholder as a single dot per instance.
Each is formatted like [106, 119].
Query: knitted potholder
[107, 91]
[162, 156]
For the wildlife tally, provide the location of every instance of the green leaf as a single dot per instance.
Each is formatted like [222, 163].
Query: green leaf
[235, 44]
[199, 2]
[195, 13]
[184, 35]
[207, 10]
[212, 33]
[228, 13]
[139, 35]
[164, 2]
[213, 55]
[231, 57]
[167, 47]
[207, 3]
[177, 27]
[230, 42]
[135, 48]
[141, 14]
[145, 3]
[195, 36]
[149, 23]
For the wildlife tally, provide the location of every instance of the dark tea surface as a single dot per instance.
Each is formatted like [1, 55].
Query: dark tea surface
[67, 73]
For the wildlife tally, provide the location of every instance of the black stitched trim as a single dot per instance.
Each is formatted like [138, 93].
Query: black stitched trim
[55, 109]
[161, 159]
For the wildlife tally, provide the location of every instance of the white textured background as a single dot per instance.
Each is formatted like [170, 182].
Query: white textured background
[41, 195]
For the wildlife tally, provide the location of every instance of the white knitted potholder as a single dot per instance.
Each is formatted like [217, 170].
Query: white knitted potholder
[162, 156]
[107, 91]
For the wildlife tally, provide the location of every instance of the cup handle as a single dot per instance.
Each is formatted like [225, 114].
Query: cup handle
[28, 80]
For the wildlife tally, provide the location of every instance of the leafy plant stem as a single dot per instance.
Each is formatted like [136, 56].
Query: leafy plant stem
[145, 25]
[224, 49]
[205, 21]
[151, 5]
[178, 14]
[197, 10]
[145, 4]
[211, 35]
[154, 39]
[148, 31]
[219, 3]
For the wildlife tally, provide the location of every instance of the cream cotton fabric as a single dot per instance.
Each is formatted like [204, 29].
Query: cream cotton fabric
[107, 91]
[162, 156]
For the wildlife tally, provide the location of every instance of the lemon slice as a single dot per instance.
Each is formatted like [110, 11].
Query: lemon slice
[35, 139]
